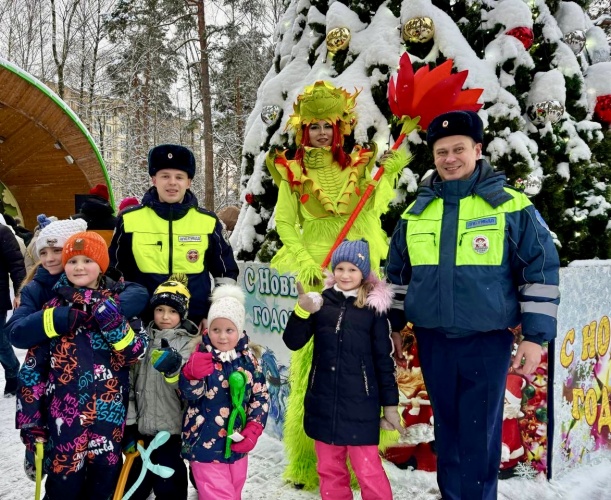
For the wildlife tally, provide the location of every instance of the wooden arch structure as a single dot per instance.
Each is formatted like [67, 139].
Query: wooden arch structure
[47, 156]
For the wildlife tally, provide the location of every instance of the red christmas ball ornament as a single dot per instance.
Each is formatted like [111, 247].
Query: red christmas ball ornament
[602, 111]
[249, 197]
[524, 34]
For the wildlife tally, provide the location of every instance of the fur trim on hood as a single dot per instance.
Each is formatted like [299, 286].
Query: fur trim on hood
[379, 299]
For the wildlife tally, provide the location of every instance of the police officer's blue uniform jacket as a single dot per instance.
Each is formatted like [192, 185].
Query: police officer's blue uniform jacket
[155, 239]
[475, 256]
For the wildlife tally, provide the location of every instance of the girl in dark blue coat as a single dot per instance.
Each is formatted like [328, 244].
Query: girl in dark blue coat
[352, 376]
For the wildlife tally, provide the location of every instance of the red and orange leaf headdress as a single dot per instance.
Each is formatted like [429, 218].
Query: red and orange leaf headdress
[418, 98]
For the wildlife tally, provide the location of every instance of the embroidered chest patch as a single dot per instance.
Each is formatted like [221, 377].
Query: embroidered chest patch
[487, 221]
[192, 255]
[480, 244]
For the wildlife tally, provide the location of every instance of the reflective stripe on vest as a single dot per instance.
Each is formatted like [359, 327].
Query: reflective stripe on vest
[480, 235]
[151, 241]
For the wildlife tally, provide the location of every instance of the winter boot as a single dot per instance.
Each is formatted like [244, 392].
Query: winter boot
[10, 389]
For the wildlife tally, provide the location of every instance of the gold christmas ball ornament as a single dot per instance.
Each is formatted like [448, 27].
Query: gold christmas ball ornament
[418, 30]
[338, 39]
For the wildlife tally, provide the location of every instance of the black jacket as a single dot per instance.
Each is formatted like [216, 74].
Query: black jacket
[11, 264]
[97, 212]
[218, 258]
[352, 374]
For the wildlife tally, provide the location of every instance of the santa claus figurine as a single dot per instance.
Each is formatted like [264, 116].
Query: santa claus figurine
[512, 447]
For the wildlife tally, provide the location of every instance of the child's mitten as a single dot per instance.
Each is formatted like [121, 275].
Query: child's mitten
[251, 432]
[198, 366]
[166, 359]
[310, 302]
[107, 314]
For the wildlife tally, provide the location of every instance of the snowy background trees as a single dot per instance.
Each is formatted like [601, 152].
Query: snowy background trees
[132, 70]
[221, 77]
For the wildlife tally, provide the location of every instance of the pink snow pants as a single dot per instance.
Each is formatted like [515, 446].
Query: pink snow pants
[335, 477]
[220, 481]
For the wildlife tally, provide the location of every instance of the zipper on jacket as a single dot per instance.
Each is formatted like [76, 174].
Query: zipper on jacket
[471, 232]
[338, 328]
[365, 377]
[313, 375]
[339, 319]
[171, 240]
[429, 234]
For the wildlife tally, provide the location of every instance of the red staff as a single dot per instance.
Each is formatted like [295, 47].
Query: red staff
[422, 95]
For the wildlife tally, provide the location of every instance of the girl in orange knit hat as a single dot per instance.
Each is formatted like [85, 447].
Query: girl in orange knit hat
[91, 346]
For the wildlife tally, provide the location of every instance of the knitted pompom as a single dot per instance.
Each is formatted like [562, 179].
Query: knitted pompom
[233, 291]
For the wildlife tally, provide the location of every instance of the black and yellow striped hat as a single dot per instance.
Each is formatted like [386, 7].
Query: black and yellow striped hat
[173, 293]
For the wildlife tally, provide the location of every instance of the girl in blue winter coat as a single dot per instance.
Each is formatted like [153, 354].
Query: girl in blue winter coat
[74, 387]
[352, 378]
[220, 470]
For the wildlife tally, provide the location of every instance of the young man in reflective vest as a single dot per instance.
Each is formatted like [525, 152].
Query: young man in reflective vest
[169, 233]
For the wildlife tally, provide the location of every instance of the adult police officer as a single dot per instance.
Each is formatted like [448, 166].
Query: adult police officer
[169, 233]
[473, 258]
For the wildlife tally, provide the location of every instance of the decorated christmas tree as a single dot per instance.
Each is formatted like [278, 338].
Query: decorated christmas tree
[546, 78]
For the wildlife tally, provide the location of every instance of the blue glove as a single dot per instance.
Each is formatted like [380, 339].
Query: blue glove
[107, 314]
[166, 359]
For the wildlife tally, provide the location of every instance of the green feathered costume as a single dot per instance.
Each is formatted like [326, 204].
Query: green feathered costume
[314, 203]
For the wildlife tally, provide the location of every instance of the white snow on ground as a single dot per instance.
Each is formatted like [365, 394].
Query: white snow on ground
[268, 460]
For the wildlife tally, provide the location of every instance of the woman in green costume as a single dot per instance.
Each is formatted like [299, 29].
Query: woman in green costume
[317, 192]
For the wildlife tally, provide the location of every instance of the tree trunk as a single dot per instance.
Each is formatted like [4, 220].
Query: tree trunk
[208, 201]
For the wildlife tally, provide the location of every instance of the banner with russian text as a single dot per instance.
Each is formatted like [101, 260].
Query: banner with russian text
[582, 373]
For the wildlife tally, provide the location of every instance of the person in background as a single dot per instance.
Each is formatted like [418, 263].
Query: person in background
[169, 233]
[207, 381]
[130, 201]
[4, 218]
[352, 378]
[12, 269]
[91, 345]
[96, 209]
[229, 217]
[154, 405]
[30, 258]
[472, 257]
[19, 230]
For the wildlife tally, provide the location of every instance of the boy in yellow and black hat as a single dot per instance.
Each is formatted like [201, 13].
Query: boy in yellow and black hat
[154, 405]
